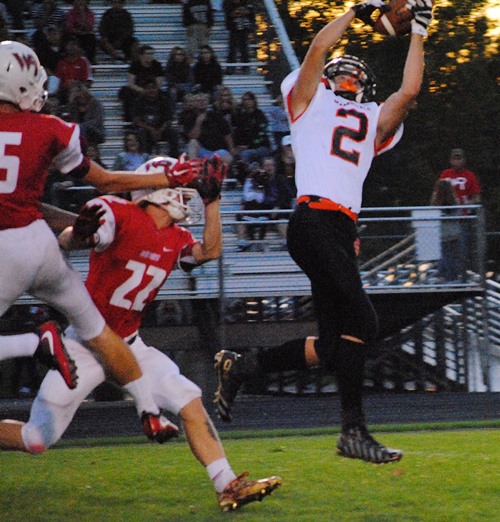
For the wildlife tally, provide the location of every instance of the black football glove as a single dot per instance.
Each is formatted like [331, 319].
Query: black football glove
[365, 10]
[87, 224]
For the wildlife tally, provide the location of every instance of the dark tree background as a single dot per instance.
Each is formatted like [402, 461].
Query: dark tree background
[459, 105]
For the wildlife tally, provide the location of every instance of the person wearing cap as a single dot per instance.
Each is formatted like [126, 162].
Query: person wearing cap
[465, 183]
[467, 191]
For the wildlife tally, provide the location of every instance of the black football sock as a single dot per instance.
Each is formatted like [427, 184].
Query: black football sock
[348, 364]
[282, 358]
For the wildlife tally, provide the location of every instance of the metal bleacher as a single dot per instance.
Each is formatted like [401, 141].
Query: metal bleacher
[160, 25]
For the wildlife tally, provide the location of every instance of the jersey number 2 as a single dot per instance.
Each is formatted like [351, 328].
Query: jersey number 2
[342, 132]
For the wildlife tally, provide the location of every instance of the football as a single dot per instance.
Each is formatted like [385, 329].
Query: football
[395, 21]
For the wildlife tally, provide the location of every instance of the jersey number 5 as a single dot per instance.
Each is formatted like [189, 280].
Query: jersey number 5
[357, 135]
[9, 164]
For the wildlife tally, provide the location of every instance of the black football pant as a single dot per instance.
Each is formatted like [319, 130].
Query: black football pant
[321, 242]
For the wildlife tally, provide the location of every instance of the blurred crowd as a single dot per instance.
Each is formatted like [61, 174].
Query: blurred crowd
[182, 105]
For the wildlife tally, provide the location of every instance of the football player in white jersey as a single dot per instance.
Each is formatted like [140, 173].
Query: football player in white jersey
[30, 145]
[134, 248]
[336, 129]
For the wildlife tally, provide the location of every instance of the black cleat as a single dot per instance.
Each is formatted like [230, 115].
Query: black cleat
[230, 381]
[357, 443]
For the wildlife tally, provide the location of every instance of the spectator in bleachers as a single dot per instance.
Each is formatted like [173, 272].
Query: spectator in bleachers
[225, 104]
[207, 131]
[46, 41]
[178, 74]
[152, 114]
[185, 117]
[261, 191]
[278, 121]
[116, 31]
[140, 72]
[250, 133]
[16, 9]
[4, 14]
[198, 19]
[4, 24]
[285, 165]
[80, 23]
[133, 154]
[240, 22]
[73, 67]
[40, 43]
[207, 71]
[86, 110]
[93, 153]
[49, 14]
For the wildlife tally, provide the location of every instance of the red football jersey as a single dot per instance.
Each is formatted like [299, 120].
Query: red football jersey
[131, 262]
[465, 184]
[29, 144]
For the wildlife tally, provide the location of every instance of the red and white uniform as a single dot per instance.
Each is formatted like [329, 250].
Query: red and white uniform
[329, 141]
[30, 144]
[131, 261]
[465, 184]
[127, 268]
[32, 262]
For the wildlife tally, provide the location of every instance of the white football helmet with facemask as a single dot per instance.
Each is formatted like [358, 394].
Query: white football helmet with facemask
[183, 204]
[22, 78]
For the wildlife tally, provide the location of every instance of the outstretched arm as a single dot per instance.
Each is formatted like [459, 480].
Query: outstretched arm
[396, 107]
[180, 174]
[211, 246]
[311, 69]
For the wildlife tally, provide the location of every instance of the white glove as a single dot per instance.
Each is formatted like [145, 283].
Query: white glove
[422, 10]
[364, 10]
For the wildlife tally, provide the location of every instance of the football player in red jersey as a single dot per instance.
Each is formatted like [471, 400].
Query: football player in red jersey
[135, 247]
[337, 128]
[30, 144]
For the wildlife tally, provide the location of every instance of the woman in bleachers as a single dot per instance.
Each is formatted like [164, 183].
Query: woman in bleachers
[132, 155]
[178, 75]
[207, 72]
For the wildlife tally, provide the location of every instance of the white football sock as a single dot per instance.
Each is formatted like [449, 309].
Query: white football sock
[141, 393]
[21, 345]
[220, 474]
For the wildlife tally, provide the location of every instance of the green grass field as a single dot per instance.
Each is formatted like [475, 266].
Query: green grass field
[445, 476]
